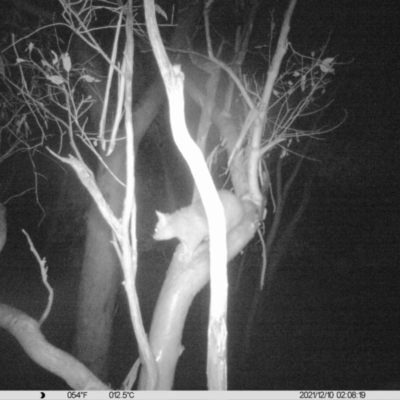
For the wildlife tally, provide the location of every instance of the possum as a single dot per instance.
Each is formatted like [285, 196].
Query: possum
[189, 224]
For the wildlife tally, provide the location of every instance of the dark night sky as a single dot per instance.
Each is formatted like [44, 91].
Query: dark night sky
[331, 320]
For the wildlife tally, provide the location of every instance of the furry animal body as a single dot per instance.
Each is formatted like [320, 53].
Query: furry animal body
[189, 224]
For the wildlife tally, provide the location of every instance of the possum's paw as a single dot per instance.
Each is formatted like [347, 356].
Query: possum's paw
[184, 252]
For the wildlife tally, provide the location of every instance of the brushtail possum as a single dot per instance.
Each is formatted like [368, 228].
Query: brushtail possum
[189, 224]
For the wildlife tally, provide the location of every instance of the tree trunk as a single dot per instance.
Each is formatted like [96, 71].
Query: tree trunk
[100, 279]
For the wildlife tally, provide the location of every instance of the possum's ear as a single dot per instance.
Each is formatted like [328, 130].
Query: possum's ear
[161, 230]
[162, 219]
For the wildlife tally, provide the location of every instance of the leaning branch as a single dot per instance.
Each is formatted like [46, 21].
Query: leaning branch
[27, 331]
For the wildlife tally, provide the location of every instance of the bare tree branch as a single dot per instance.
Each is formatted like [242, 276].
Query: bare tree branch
[27, 331]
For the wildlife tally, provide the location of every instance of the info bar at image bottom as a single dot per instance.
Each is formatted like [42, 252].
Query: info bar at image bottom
[203, 395]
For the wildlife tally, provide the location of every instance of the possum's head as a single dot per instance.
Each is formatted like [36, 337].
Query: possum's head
[163, 230]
